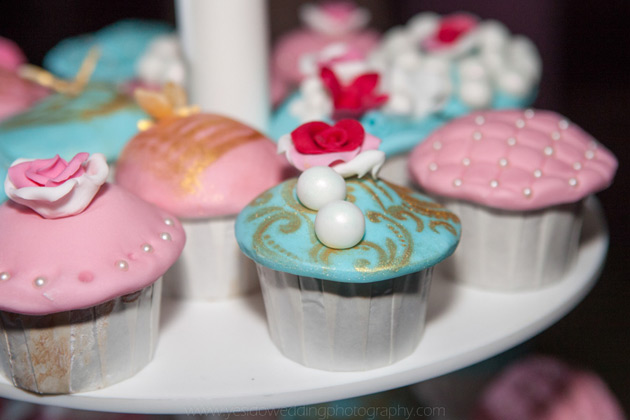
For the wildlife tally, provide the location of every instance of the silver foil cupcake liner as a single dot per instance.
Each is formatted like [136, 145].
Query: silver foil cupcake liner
[513, 250]
[81, 350]
[212, 266]
[337, 326]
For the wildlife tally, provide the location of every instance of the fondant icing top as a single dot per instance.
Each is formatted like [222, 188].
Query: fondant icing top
[513, 160]
[405, 232]
[118, 245]
[202, 165]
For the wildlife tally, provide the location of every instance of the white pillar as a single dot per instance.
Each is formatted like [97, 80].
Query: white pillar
[226, 45]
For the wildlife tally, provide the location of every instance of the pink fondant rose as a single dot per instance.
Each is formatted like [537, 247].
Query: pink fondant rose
[334, 18]
[320, 144]
[55, 188]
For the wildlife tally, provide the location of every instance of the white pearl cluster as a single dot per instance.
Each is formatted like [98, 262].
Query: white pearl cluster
[339, 224]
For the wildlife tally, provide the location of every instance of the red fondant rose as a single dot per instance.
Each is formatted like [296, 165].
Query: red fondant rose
[355, 99]
[450, 31]
[319, 144]
[318, 137]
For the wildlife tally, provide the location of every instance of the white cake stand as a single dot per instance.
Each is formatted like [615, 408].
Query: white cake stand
[218, 357]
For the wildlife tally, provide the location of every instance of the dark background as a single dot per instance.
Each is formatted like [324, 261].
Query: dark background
[585, 47]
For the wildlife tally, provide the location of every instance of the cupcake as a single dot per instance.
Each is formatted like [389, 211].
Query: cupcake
[518, 180]
[325, 24]
[121, 44]
[345, 265]
[16, 94]
[80, 263]
[204, 168]
[544, 388]
[417, 80]
[81, 116]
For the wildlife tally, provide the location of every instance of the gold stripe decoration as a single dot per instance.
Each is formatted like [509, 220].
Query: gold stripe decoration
[171, 102]
[65, 87]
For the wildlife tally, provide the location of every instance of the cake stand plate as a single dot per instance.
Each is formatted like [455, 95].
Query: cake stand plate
[218, 357]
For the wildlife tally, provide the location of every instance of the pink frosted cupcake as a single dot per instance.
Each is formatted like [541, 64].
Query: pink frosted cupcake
[518, 180]
[80, 263]
[542, 388]
[332, 22]
[16, 94]
[203, 168]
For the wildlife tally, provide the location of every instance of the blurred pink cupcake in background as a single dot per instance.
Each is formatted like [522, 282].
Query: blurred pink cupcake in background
[544, 388]
[16, 94]
[204, 168]
[332, 22]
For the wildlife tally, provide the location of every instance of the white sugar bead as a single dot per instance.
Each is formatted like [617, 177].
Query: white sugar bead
[340, 225]
[320, 185]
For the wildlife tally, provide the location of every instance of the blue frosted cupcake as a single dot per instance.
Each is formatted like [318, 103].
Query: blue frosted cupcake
[98, 120]
[344, 265]
[121, 45]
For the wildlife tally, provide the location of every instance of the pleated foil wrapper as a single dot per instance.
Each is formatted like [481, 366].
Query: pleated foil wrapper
[513, 250]
[212, 266]
[338, 326]
[81, 350]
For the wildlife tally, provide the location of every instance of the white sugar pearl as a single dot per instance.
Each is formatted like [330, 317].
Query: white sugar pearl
[340, 225]
[320, 185]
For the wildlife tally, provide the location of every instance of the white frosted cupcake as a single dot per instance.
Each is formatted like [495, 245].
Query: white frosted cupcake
[80, 264]
[518, 180]
[345, 265]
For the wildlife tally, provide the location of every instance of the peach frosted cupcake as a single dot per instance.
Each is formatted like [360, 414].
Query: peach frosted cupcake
[204, 168]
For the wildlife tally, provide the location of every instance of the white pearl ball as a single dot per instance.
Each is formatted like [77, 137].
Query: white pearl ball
[320, 185]
[340, 225]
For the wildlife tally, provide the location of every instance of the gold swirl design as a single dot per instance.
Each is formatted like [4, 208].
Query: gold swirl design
[187, 146]
[398, 247]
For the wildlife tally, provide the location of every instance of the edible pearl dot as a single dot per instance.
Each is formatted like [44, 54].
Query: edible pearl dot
[147, 248]
[477, 135]
[555, 135]
[503, 162]
[537, 173]
[165, 236]
[433, 166]
[548, 151]
[466, 162]
[593, 144]
[573, 182]
[39, 281]
[320, 185]
[527, 192]
[437, 145]
[563, 124]
[529, 113]
[479, 120]
[520, 123]
[122, 264]
[511, 141]
[494, 183]
[340, 225]
[168, 222]
[577, 166]
[589, 154]
[4, 276]
[457, 182]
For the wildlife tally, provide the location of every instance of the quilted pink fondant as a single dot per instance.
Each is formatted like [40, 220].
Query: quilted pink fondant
[118, 245]
[512, 160]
